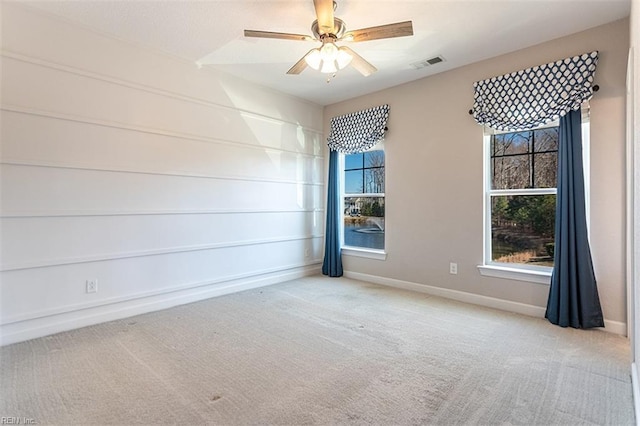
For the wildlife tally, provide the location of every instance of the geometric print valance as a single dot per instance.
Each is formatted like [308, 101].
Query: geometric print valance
[529, 98]
[358, 131]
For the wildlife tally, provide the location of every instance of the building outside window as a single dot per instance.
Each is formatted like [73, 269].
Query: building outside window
[364, 207]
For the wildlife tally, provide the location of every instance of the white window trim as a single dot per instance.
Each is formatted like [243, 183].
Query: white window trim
[367, 253]
[497, 270]
[354, 251]
[530, 273]
[586, 166]
[366, 194]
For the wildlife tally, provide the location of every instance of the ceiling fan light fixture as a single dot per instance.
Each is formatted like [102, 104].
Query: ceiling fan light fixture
[329, 51]
[329, 58]
[328, 68]
[314, 59]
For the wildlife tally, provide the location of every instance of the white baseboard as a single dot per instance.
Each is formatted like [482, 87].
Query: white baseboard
[635, 388]
[43, 326]
[615, 327]
[474, 299]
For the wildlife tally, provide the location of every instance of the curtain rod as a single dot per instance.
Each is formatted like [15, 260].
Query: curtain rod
[595, 89]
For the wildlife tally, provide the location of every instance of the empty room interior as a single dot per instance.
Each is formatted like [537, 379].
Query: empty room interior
[319, 212]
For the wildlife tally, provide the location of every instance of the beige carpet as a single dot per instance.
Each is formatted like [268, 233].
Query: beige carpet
[321, 351]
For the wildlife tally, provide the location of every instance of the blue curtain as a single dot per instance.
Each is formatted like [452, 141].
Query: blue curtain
[332, 264]
[573, 295]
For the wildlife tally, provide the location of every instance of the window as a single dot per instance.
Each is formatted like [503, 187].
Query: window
[363, 210]
[521, 198]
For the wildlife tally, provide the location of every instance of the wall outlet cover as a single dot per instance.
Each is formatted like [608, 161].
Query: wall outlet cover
[92, 286]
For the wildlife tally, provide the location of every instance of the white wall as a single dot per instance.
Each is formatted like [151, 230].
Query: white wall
[634, 197]
[434, 193]
[166, 183]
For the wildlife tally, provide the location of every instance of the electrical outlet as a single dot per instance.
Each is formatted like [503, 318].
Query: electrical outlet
[92, 286]
[307, 253]
[453, 268]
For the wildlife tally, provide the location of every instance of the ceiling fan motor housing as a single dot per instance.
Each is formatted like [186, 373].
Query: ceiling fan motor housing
[339, 29]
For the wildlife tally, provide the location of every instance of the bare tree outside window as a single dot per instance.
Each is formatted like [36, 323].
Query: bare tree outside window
[374, 176]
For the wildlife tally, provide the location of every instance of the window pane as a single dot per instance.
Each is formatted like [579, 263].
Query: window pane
[546, 139]
[545, 170]
[374, 159]
[374, 180]
[353, 183]
[522, 229]
[364, 222]
[511, 172]
[353, 161]
[510, 143]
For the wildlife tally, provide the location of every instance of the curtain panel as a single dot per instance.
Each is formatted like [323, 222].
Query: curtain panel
[332, 263]
[573, 295]
[534, 96]
[358, 131]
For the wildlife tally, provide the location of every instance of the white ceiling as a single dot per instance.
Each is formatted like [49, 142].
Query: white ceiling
[211, 32]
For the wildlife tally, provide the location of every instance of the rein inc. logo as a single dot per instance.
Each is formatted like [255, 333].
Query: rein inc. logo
[17, 421]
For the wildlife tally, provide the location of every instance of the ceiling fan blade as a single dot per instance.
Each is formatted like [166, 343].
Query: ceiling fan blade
[359, 63]
[399, 29]
[300, 65]
[324, 13]
[281, 36]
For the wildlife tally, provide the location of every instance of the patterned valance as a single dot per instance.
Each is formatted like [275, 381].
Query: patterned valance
[529, 98]
[358, 131]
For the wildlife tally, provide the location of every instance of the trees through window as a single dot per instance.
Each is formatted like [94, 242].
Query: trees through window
[522, 196]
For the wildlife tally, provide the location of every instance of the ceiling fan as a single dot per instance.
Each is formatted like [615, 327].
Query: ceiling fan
[328, 29]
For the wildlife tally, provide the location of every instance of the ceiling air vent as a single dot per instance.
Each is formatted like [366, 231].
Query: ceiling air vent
[426, 62]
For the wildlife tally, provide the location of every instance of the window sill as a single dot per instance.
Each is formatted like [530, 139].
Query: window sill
[539, 277]
[366, 253]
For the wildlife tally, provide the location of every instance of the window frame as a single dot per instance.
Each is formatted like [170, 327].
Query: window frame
[366, 252]
[513, 271]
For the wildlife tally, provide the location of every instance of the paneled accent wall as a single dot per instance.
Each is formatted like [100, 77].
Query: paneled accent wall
[164, 182]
